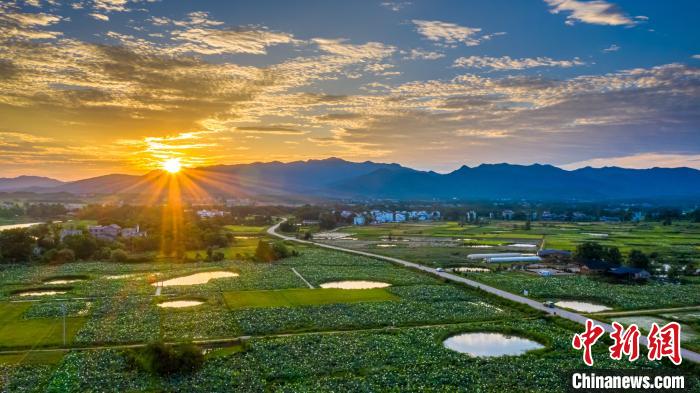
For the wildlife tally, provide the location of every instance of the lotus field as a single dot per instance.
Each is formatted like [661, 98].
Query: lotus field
[264, 329]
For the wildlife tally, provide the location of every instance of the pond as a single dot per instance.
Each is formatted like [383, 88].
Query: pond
[522, 245]
[581, 306]
[490, 344]
[15, 226]
[119, 276]
[41, 293]
[180, 303]
[62, 281]
[355, 284]
[195, 279]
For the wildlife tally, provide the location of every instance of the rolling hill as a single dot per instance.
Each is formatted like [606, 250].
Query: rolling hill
[336, 178]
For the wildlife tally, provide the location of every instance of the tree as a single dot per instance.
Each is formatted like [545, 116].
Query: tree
[162, 359]
[589, 251]
[613, 256]
[264, 252]
[16, 245]
[327, 221]
[638, 259]
[84, 246]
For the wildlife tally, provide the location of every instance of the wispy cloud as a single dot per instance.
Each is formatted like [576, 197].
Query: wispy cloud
[450, 33]
[101, 17]
[612, 48]
[596, 12]
[208, 41]
[419, 54]
[395, 6]
[508, 63]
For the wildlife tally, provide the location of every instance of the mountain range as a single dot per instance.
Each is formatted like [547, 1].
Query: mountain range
[336, 178]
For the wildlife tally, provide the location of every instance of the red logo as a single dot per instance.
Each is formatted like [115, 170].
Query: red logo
[626, 342]
[586, 340]
[662, 342]
[665, 342]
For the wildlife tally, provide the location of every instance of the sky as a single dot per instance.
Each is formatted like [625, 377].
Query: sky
[91, 87]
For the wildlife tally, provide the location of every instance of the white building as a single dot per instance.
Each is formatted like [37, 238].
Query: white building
[69, 232]
[132, 232]
[210, 213]
[508, 214]
[105, 232]
[358, 220]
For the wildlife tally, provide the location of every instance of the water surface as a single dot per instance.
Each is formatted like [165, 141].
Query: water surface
[180, 303]
[41, 293]
[355, 284]
[581, 306]
[195, 279]
[490, 344]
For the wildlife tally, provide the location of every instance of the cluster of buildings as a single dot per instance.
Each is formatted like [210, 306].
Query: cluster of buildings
[210, 213]
[382, 217]
[105, 232]
[550, 262]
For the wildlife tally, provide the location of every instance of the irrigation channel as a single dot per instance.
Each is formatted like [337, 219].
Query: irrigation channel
[572, 316]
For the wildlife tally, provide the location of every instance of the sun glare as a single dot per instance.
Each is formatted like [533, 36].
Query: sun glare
[172, 165]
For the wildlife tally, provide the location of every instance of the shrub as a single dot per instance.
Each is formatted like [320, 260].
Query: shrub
[63, 256]
[161, 359]
[268, 253]
[119, 256]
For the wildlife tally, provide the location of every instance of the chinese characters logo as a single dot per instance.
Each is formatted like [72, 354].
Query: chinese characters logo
[661, 342]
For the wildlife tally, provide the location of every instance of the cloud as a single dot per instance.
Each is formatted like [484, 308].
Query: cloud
[597, 12]
[419, 54]
[395, 6]
[101, 17]
[20, 25]
[611, 48]
[271, 130]
[450, 33]
[234, 40]
[641, 161]
[508, 63]
[697, 57]
[110, 5]
[368, 51]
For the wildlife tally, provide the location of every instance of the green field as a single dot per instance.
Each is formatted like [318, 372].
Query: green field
[304, 297]
[242, 230]
[244, 246]
[681, 239]
[18, 332]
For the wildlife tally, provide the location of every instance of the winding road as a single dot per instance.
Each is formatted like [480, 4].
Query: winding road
[572, 316]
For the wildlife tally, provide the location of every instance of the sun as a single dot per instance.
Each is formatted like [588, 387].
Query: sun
[172, 165]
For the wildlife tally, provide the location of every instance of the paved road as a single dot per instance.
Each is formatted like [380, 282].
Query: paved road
[572, 316]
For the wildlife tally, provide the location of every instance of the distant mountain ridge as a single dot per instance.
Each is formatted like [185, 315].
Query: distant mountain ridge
[19, 183]
[337, 178]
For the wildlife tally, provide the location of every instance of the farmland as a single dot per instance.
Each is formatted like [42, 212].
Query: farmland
[448, 243]
[295, 338]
